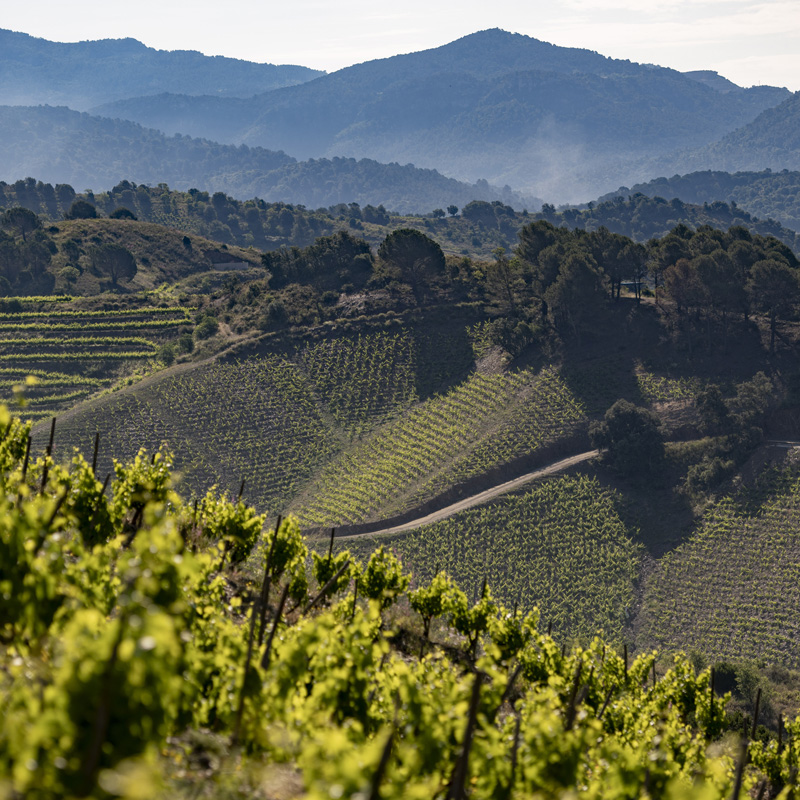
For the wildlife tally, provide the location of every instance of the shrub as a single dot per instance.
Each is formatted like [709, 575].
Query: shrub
[632, 438]
[206, 328]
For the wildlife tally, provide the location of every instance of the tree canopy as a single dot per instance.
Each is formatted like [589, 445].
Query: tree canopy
[20, 221]
[632, 438]
[416, 257]
[115, 261]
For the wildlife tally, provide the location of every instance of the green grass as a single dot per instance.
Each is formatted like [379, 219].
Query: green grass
[94, 355]
[560, 546]
[79, 313]
[67, 343]
[78, 327]
[733, 589]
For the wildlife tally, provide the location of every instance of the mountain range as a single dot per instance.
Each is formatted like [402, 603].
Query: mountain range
[492, 109]
[59, 145]
[558, 122]
[83, 74]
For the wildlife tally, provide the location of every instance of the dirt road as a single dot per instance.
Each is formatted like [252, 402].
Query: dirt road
[482, 497]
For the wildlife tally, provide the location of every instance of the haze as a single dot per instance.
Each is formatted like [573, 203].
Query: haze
[748, 42]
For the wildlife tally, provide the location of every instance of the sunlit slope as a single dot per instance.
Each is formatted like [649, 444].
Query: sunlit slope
[271, 416]
[340, 428]
[480, 424]
[561, 546]
[733, 589]
[363, 378]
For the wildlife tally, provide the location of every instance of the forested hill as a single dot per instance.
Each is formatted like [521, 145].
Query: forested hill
[58, 145]
[643, 218]
[477, 229]
[554, 121]
[83, 74]
[765, 194]
[771, 140]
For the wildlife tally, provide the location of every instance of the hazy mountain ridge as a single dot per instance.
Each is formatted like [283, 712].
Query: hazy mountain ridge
[492, 104]
[771, 140]
[83, 74]
[62, 146]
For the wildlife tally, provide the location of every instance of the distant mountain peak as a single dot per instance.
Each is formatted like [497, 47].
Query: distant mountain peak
[88, 73]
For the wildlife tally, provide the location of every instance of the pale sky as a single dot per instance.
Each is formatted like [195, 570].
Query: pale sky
[747, 41]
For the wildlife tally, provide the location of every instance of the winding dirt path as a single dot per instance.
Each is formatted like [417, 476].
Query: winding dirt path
[478, 499]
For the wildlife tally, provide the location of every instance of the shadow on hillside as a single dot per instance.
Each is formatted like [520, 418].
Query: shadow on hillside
[599, 364]
[661, 517]
[444, 357]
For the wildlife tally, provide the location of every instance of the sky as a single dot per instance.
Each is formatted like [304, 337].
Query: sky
[747, 41]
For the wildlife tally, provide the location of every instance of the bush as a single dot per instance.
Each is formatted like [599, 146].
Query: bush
[185, 343]
[166, 354]
[69, 274]
[206, 328]
[709, 472]
[122, 213]
[275, 316]
[80, 209]
[632, 438]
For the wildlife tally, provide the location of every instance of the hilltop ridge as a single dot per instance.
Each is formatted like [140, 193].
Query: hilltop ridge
[86, 73]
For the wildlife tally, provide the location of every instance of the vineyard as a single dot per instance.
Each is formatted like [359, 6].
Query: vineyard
[341, 426]
[661, 389]
[362, 379]
[255, 420]
[152, 648]
[733, 589]
[483, 422]
[60, 354]
[560, 547]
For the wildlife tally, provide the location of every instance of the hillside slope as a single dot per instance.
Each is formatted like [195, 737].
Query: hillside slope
[731, 590]
[771, 140]
[66, 147]
[765, 194]
[276, 413]
[559, 546]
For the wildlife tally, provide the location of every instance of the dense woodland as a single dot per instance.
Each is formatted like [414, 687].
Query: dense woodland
[766, 194]
[476, 229]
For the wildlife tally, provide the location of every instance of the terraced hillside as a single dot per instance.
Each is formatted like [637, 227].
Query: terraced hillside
[561, 546]
[57, 353]
[405, 404]
[733, 589]
[484, 422]
[254, 420]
